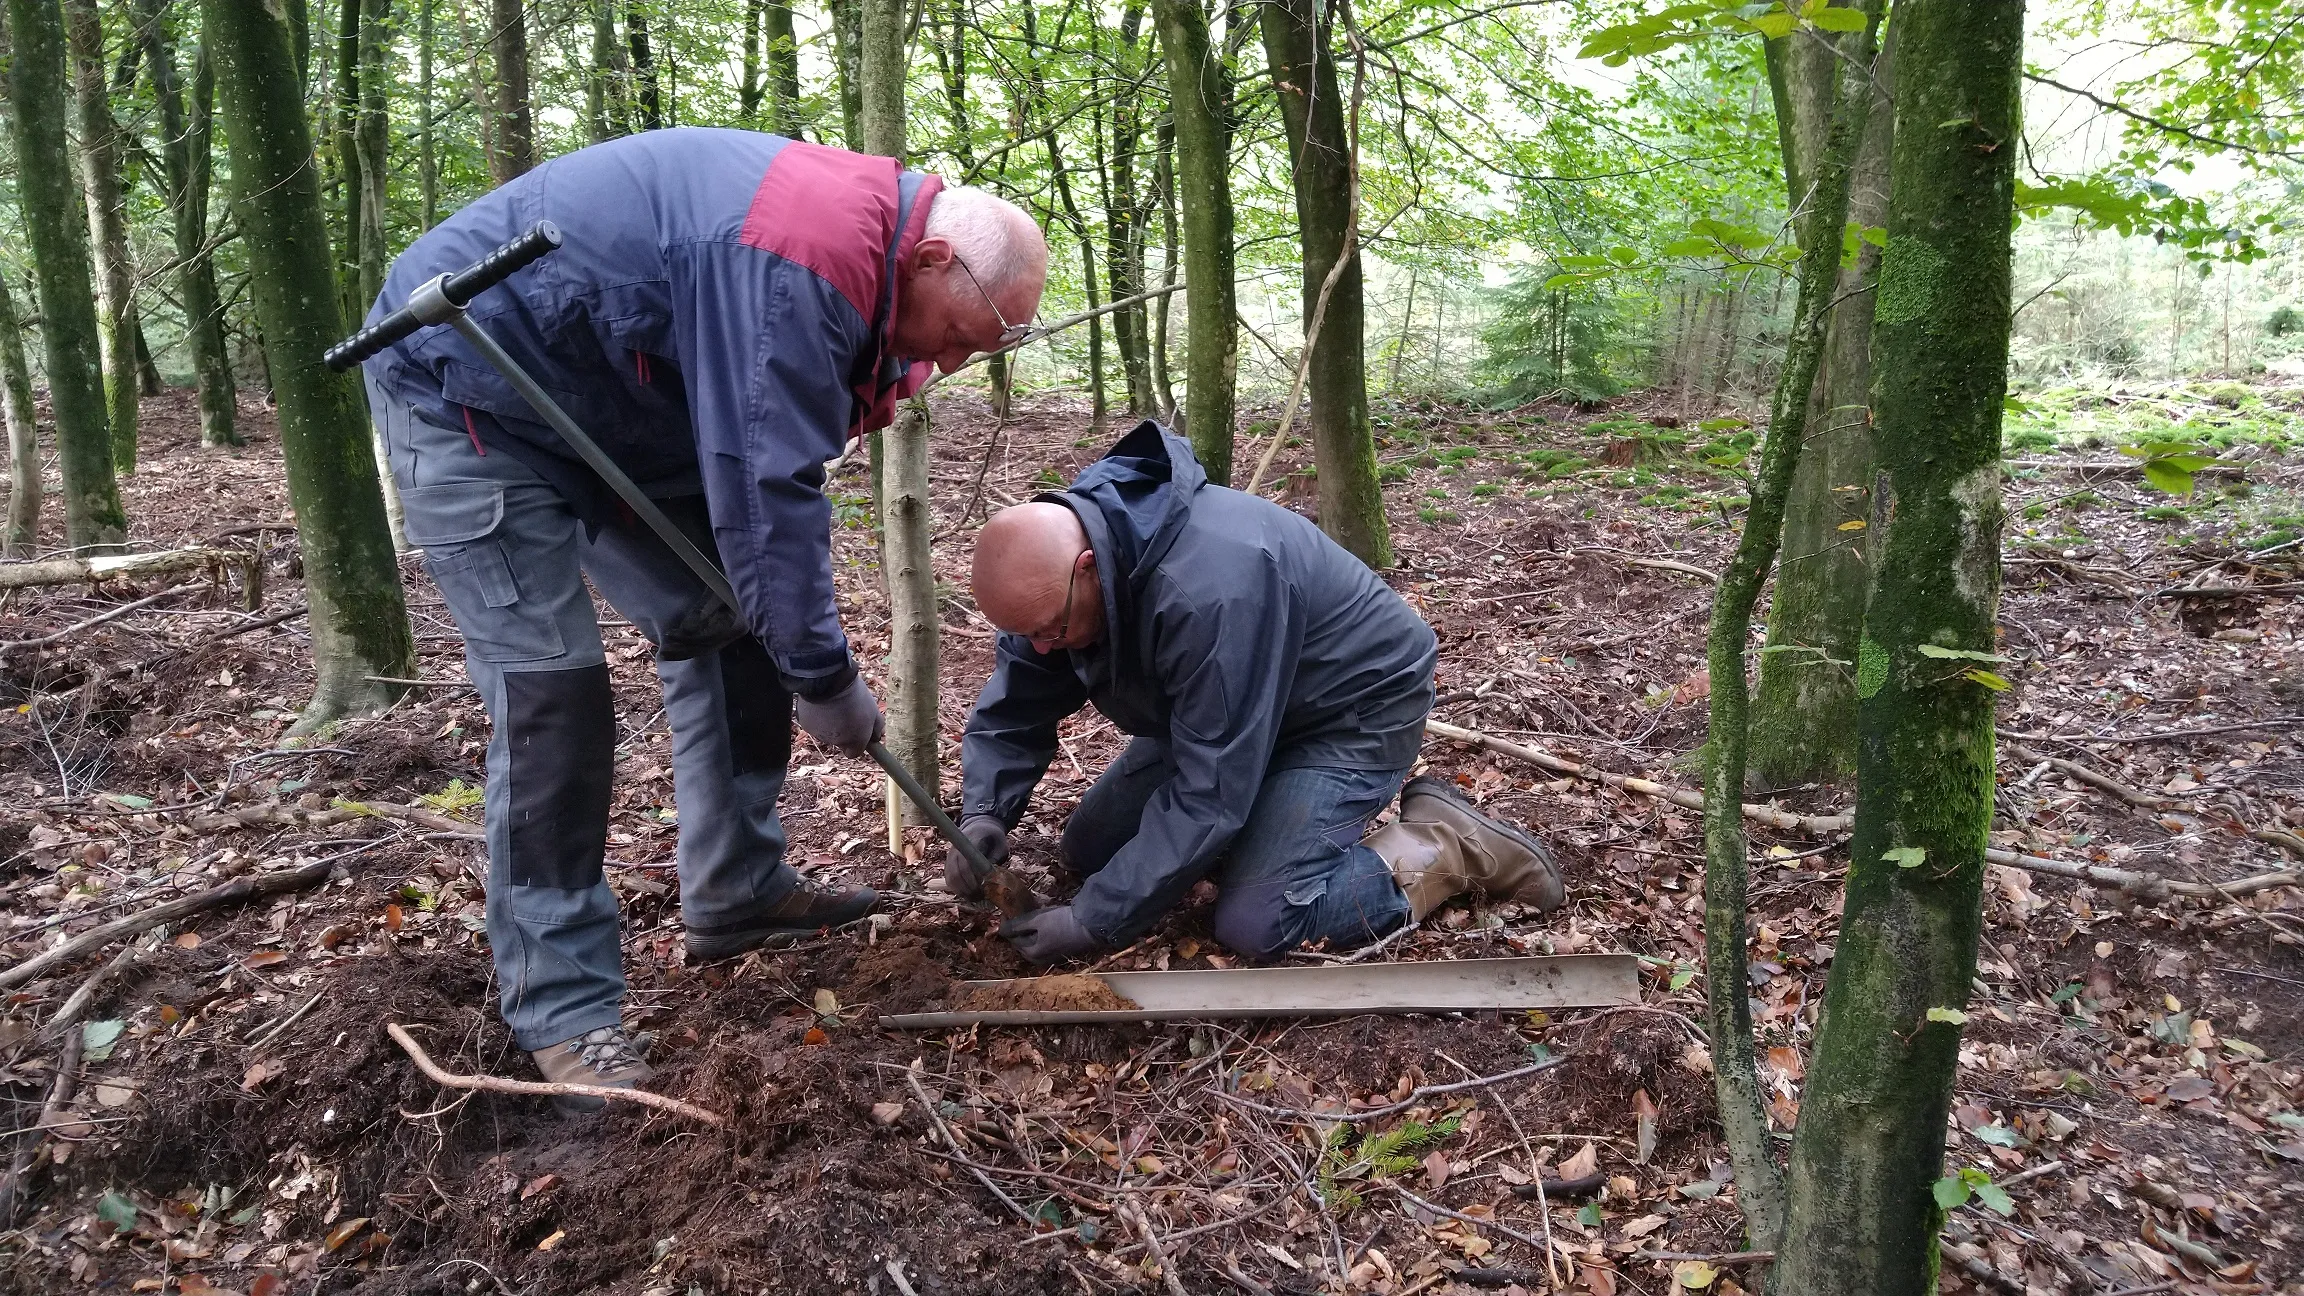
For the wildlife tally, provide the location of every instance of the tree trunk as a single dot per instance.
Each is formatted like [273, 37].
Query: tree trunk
[1124, 216]
[184, 163]
[1297, 45]
[1164, 184]
[427, 148]
[22, 536]
[1099, 403]
[608, 89]
[55, 220]
[516, 145]
[952, 67]
[372, 144]
[1759, 1187]
[344, 134]
[748, 89]
[647, 96]
[907, 516]
[1804, 714]
[848, 54]
[1860, 1216]
[100, 156]
[359, 618]
[1201, 95]
[780, 46]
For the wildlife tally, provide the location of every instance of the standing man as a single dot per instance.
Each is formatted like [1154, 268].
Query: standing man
[727, 310]
[1276, 691]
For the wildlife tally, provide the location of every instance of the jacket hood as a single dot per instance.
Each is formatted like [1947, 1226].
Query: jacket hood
[1133, 503]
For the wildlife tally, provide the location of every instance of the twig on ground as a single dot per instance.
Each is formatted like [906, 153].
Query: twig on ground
[895, 1270]
[1415, 1096]
[498, 1084]
[936, 1119]
[27, 1153]
[1535, 1170]
[1243, 1281]
[19, 645]
[269, 1032]
[1498, 1225]
[1365, 952]
[1709, 1257]
[1657, 564]
[1143, 1229]
[232, 892]
[68, 1013]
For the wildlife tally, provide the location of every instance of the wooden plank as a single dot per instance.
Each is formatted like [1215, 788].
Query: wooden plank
[1459, 985]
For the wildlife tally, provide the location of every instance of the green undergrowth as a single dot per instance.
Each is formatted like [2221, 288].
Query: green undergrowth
[2220, 414]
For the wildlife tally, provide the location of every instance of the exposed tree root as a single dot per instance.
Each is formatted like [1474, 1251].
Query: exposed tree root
[556, 1088]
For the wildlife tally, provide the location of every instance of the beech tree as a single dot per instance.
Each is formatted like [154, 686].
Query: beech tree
[186, 159]
[100, 156]
[1201, 98]
[22, 535]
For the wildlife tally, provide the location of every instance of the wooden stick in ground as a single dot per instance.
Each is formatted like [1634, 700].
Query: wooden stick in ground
[232, 892]
[498, 1084]
[68, 1013]
[1143, 1229]
[59, 1093]
[934, 1118]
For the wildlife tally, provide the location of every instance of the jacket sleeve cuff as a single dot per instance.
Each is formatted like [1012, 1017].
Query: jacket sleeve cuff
[816, 688]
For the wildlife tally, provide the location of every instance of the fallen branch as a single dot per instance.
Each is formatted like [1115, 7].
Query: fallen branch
[2148, 885]
[1498, 1225]
[936, 1119]
[28, 1152]
[109, 614]
[1656, 564]
[1709, 1257]
[106, 567]
[276, 814]
[1143, 1229]
[2226, 591]
[232, 892]
[68, 1013]
[549, 1088]
[2165, 735]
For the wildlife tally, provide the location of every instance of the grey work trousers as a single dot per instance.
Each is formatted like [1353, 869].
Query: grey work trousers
[511, 558]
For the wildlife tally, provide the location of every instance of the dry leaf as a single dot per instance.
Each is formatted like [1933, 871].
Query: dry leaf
[815, 1035]
[267, 1284]
[264, 958]
[344, 1232]
[1644, 1226]
[1599, 1280]
[1586, 1160]
[260, 1071]
[392, 918]
[543, 1183]
[1786, 1060]
[189, 940]
[112, 1095]
[552, 1241]
[1695, 1275]
[170, 1015]
[827, 1004]
[886, 1113]
[1435, 1168]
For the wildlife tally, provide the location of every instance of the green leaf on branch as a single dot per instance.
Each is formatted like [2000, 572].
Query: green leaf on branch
[1906, 856]
[1950, 1015]
[1962, 654]
[1689, 247]
[1996, 683]
[1951, 1192]
[1995, 1199]
[1775, 25]
[1838, 20]
[1582, 262]
[1560, 281]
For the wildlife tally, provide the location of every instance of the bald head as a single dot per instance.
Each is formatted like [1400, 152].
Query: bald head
[1034, 575]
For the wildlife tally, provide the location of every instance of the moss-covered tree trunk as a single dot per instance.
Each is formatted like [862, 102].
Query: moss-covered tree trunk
[1126, 212]
[1202, 98]
[1759, 1189]
[359, 617]
[1860, 1215]
[185, 164]
[22, 536]
[344, 157]
[782, 49]
[427, 144]
[1804, 714]
[647, 94]
[106, 198]
[1298, 47]
[907, 514]
[56, 224]
[372, 149]
[847, 56]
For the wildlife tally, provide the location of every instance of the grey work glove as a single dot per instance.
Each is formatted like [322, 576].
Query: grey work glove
[847, 721]
[1049, 935]
[990, 837]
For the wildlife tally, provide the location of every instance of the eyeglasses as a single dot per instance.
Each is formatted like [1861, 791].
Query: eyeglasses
[1064, 622]
[1010, 334]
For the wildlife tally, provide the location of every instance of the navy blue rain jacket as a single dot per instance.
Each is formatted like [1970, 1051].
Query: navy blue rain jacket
[1235, 631]
[718, 319]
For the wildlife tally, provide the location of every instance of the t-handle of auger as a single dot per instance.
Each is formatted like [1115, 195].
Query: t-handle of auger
[437, 301]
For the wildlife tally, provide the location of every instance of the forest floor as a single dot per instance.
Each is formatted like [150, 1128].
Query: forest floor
[2131, 1075]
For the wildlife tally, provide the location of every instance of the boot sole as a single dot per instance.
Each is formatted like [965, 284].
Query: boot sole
[1445, 791]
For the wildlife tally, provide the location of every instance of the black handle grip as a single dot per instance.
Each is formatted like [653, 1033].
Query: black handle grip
[499, 265]
[460, 288]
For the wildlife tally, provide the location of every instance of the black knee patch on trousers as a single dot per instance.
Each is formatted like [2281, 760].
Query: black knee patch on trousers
[759, 711]
[560, 732]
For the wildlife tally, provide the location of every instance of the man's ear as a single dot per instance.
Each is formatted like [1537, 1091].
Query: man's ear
[932, 250]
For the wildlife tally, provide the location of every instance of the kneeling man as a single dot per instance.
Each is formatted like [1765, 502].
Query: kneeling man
[1275, 690]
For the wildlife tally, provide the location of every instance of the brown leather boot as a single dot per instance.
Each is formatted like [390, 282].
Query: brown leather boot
[807, 909]
[1441, 847]
[608, 1056]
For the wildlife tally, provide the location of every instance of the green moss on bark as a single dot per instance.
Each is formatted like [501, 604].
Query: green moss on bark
[1203, 98]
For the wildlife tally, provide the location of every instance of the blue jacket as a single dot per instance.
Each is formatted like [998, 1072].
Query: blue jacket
[1234, 631]
[718, 319]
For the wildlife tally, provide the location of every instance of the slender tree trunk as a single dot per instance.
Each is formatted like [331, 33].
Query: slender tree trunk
[516, 151]
[56, 222]
[780, 46]
[372, 143]
[22, 537]
[648, 96]
[148, 379]
[184, 162]
[1164, 184]
[344, 134]
[1099, 402]
[908, 518]
[100, 158]
[952, 67]
[1759, 1186]
[848, 54]
[1297, 43]
[1125, 212]
[1201, 95]
[1860, 1216]
[358, 616]
[1804, 715]
[1407, 330]
[748, 90]
[427, 145]
[608, 90]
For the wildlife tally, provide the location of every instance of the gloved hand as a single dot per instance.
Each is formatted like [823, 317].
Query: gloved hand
[848, 721]
[990, 837]
[1049, 935]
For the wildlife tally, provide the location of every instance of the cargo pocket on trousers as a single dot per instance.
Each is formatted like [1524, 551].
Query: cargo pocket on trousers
[459, 526]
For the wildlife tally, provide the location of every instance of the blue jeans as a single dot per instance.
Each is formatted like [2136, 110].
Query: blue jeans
[1297, 871]
[511, 559]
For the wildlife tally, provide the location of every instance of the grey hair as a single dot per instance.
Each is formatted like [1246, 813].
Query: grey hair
[1000, 243]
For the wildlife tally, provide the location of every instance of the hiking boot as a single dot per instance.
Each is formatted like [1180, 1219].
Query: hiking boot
[607, 1056]
[806, 909]
[1442, 847]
